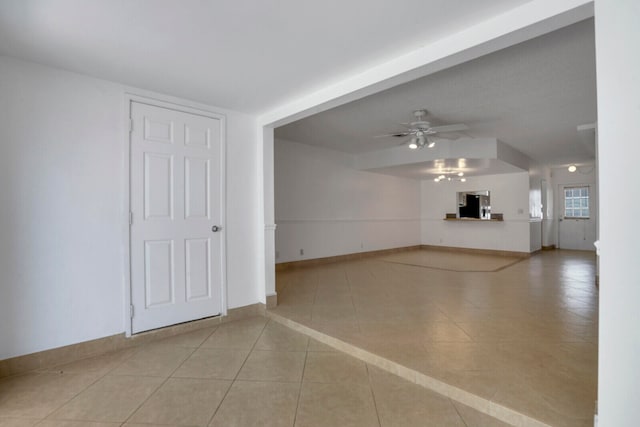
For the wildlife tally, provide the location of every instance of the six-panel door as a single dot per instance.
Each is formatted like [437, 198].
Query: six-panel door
[176, 199]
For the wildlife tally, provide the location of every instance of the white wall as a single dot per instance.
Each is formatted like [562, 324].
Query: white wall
[618, 68]
[509, 196]
[536, 224]
[243, 212]
[62, 223]
[549, 231]
[577, 234]
[535, 235]
[326, 207]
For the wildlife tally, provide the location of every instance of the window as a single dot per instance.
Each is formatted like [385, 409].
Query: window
[576, 202]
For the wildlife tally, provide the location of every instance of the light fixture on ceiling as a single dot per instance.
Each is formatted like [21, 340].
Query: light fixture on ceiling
[450, 175]
[581, 169]
[421, 131]
[420, 140]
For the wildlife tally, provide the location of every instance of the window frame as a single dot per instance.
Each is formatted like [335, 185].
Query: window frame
[572, 198]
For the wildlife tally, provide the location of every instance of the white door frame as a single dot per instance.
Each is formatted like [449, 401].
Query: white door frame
[560, 207]
[186, 107]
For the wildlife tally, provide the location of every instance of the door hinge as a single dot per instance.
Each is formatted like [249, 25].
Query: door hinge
[130, 218]
[131, 311]
[130, 125]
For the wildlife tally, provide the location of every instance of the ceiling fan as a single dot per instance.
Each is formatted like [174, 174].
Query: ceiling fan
[422, 133]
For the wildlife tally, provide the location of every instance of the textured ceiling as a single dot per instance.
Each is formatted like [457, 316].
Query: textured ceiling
[531, 96]
[248, 56]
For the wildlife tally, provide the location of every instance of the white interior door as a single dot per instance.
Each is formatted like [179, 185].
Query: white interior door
[177, 254]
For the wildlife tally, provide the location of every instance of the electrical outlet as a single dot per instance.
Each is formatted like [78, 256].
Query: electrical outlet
[361, 245]
[301, 252]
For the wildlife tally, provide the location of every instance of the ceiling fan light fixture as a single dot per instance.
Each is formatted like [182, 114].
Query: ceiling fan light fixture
[572, 168]
[421, 131]
[450, 175]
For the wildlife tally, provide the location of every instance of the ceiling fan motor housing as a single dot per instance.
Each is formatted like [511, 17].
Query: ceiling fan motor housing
[421, 129]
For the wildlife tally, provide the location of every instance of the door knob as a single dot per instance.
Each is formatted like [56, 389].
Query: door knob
[216, 228]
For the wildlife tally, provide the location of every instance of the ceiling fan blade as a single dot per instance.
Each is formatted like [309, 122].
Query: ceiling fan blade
[439, 137]
[397, 134]
[450, 128]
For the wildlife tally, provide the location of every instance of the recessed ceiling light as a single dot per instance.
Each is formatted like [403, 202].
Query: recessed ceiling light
[572, 168]
[413, 145]
[460, 173]
[463, 180]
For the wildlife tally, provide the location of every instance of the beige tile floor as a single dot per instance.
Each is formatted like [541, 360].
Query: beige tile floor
[524, 336]
[253, 372]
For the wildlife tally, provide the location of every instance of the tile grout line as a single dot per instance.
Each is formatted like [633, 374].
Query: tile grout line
[193, 350]
[465, 332]
[153, 376]
[481, 404]
[100, 377]
[373, 394]
[304, 367]
[458, 412]
[235, 378]
[353, 305]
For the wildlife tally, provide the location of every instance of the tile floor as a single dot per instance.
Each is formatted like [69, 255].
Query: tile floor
[523, 336]
[253, 372]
